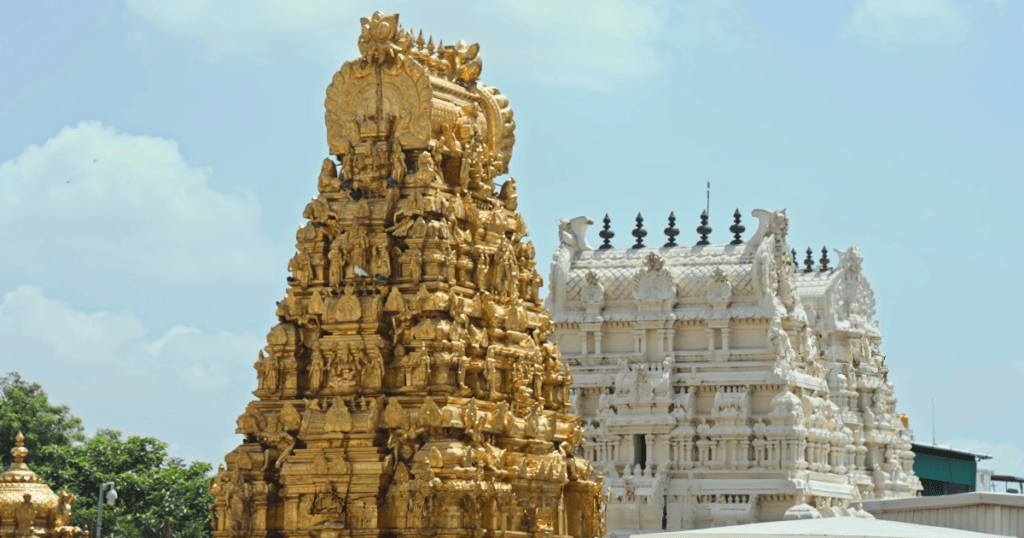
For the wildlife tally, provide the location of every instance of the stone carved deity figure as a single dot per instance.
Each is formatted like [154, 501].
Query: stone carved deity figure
[348, 163]
[398, 168]
[415, 258]
[25, 515]
[306, 266]
[338, 418]
[349, 308]
[425, 173]
[316, 368]
[508, 194]
[337, 263]
[381, 260]
[358, 244]
[328, 181]
[373, 370]
[270, 369]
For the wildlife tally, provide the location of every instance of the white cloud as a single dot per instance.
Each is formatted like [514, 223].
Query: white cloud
[71, 338]
[599, 44]
[94, 198]
[185, 387]
[907, 20]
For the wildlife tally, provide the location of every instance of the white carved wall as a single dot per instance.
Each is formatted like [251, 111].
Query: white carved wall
[721, 385]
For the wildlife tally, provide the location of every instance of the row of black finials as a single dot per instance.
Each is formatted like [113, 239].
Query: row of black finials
[704, 230]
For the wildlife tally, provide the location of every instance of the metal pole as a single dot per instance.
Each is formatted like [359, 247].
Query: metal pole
[99, 513]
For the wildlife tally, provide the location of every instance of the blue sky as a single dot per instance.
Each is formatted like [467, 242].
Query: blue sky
[155, 158]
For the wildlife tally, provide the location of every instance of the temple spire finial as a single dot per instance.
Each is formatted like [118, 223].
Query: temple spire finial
[737, 229]
[607, 234]
[704, 230]
[671, 231]
[639, 233]
[19, 451]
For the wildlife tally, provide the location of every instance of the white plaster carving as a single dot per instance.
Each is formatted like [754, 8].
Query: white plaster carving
[653, 283]
[723, 385]
[573, 233]
[593, 293]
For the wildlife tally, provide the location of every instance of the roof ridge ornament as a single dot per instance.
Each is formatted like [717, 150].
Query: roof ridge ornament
[737, 229]
[19, 471]
[606, 233]
[671, 231]
[704, 230]
[639, 233]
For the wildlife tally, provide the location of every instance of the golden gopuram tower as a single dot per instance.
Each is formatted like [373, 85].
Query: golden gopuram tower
[409, 388]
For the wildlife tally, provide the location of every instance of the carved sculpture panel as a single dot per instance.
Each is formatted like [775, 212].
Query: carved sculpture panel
[719, 384]
[410, 387]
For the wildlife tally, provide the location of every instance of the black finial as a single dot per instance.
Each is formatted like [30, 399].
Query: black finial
[824, 259]
[704, 229]
[639, 233]
[607, 234]
[737, 228]
[809, 261]
[671, 231]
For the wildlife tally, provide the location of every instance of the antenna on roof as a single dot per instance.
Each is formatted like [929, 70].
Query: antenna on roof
[709, 199]
[933, 421]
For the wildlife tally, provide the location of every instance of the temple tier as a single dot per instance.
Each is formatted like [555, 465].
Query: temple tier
[722, 384]
[410, 388]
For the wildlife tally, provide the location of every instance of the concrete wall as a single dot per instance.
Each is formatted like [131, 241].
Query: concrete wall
[995, 513]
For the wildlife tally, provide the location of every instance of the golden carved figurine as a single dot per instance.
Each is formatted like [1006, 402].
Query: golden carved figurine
[328, 181]
[412, 314]
[25, 515]
[398, 163]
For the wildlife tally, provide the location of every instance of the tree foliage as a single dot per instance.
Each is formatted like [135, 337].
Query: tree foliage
[25, 407]
[151, 486]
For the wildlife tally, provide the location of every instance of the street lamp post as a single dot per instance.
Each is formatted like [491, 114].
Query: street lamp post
[111, 498]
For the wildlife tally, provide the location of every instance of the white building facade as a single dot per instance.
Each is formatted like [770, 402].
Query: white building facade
[722, 384]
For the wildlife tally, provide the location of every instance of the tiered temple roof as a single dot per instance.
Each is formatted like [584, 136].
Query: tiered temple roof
[410, 388]
[724, 384]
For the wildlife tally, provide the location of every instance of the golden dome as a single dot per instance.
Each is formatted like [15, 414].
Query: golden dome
[18, 480]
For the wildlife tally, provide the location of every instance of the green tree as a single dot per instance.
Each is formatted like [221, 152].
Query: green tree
[24, 407]
[151, 486]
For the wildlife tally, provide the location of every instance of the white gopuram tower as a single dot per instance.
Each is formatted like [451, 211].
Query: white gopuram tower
[724, 384]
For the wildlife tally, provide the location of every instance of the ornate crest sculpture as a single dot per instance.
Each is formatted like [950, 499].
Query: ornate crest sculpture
[409, 387]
